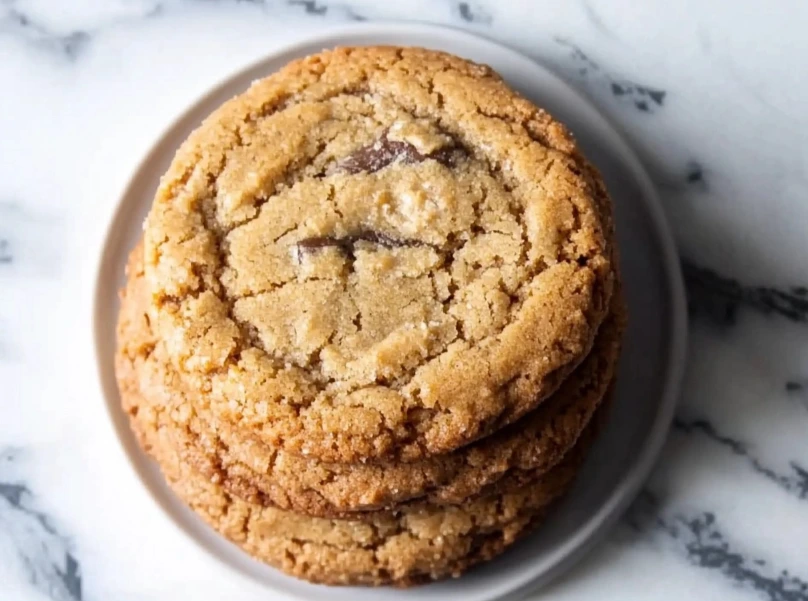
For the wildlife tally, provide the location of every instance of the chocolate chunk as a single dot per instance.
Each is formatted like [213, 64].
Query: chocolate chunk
[319, 242]
[347, 244]
[385, 151]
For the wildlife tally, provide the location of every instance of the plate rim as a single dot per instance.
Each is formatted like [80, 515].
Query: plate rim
[609, 511]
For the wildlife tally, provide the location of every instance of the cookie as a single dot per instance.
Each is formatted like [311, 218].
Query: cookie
[248, 469]
[377, 254]
[416, 544]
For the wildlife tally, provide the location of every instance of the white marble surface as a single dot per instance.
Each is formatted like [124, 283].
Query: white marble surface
[711, 93]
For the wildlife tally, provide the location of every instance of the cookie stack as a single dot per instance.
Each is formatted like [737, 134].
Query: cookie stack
[373, 317]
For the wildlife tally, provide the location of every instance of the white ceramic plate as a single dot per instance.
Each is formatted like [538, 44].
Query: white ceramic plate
[652, 360]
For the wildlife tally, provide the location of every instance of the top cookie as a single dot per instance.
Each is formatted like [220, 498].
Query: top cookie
[377, 253]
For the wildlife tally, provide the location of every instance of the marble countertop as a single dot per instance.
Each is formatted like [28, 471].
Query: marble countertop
[712, 95]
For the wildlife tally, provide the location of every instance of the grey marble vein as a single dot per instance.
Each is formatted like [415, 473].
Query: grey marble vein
[43, 551]
[5, 252]
[28, 239]
[678, 183]
[644, 98]
[596, 19]
[17, 22]
[311, 7]
[701, 539]
[797, 389]
[718, 298]
[695, 176]
[794, 483]
[317, 8]
[795, 386]
[473, 13]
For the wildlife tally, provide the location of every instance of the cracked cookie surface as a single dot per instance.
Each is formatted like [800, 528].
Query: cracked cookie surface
[418, 543]
[377, 254]
[248, 469]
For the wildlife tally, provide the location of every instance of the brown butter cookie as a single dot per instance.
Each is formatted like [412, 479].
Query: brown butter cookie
[377, 253]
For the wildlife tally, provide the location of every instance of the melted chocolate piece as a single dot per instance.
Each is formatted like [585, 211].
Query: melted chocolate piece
[384, 151]
[347, 244]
